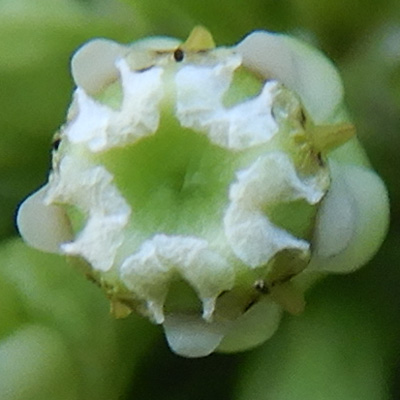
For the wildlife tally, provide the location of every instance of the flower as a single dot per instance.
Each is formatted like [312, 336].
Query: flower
[206, 187]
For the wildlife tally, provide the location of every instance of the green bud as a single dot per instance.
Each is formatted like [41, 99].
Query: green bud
[199, 185]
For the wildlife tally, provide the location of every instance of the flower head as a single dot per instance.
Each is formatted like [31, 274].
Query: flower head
[205, 187]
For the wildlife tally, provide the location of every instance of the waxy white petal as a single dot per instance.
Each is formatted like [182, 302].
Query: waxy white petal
[252, 328]
[43, 226]
[93, 65]
[191, 336]
[345, 238]
[298, 66]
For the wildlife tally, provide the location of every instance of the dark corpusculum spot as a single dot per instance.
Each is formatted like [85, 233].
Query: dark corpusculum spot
[56, 143]
[178, 55]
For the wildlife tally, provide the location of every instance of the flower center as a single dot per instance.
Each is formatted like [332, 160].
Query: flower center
[176, 181]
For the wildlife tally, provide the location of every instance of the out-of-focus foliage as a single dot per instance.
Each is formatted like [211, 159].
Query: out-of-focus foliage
[57, 340]
[346, 344]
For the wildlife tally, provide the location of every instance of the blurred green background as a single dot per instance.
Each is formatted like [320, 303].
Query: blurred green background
[345, 346]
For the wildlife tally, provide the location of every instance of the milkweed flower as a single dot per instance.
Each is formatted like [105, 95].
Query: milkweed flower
[205, 187]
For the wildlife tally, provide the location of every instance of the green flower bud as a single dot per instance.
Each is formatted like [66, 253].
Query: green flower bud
[200, 186]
